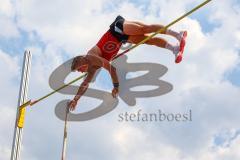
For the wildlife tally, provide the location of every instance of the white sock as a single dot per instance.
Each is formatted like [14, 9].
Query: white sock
[174, 49]
[169, 47]
[173, 33]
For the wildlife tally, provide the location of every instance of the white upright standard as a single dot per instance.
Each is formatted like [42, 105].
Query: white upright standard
[18, 131]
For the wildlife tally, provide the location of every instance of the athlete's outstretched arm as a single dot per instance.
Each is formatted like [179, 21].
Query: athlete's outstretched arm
[101, 62]
[82, 88]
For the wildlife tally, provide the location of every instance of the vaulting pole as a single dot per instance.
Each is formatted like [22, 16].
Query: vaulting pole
[65, 135]
[23, 92]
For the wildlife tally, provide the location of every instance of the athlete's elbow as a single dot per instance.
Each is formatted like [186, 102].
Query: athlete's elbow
[113, 69]
[85, 84]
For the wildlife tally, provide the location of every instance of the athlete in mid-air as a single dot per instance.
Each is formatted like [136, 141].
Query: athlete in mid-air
[121, 31]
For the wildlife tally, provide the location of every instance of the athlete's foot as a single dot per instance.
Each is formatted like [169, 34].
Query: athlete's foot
[178, 54]
[182, 35]
[182, 40]
[178, 58]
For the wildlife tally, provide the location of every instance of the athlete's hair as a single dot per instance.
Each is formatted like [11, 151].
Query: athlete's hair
[76, 62]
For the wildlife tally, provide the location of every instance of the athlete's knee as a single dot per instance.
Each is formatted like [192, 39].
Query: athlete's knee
[152, 28]
[146, 28]
[152, 41]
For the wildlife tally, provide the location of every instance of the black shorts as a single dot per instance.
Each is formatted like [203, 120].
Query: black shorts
[116, 28]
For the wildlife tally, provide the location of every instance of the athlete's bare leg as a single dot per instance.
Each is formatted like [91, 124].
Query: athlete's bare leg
[139, 28]
[159, 42]
[137, 31]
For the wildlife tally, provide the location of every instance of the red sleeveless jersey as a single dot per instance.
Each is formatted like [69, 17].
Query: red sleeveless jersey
[109, 45]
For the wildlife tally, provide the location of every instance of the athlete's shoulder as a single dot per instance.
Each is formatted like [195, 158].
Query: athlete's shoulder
[94, 60]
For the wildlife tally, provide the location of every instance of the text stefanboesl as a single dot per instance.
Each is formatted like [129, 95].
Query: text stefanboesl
[158, 116]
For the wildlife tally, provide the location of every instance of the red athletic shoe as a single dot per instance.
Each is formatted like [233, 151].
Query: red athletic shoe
[181, 48]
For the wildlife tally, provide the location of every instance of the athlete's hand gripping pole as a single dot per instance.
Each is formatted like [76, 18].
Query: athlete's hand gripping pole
[31, 103]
